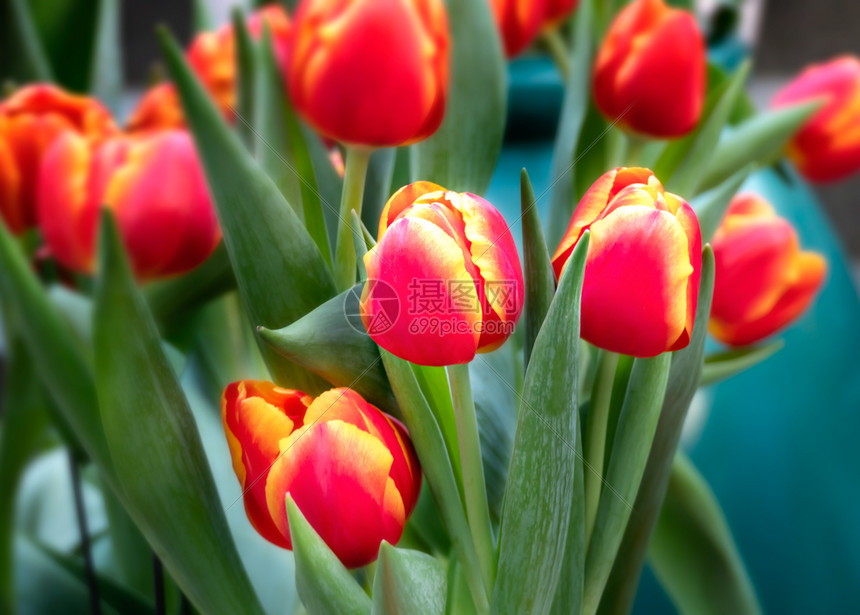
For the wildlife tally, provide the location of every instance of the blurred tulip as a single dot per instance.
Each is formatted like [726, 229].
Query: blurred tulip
[351, 469]
[556, 10]
[370, 72]
[650, 73]
[30, 120]
[154, 184]
[762, 279]
[212, 56]
[827, 147]
[644, 262]
[444, 280]
[519, 21]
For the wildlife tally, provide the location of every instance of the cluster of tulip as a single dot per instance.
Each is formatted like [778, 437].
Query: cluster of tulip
[370, 74]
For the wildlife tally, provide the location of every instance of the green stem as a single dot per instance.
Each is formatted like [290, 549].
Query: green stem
[558, 50]
[357, 160]
[477, 509]
[595, 442]
[635, 145]
[616, 151]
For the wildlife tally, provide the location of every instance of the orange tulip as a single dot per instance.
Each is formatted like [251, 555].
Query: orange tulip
[153, 183]
[212, 56]
[370, 72]
[827, 147]
[762, 279]
[30, 121]
[444, 280]
[350, 468]
[643, 266]
[650, 73]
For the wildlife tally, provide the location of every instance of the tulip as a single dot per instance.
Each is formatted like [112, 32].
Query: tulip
[762, 279]
[30, 121]
[370, 72]
[519, 22]
[643, 266]
[649, 75]
[827, 147]
[444, 280]
[350, 468]
[212, 56]
[155, 185]
[556, 10]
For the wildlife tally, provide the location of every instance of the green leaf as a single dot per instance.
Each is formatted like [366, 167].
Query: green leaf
[758, 139]
[436, 464]
[683, 383]
[436, 389]
[58, 357]
[630, 448]
[280, 271]
[29, 59]
[377, 186]
[711, 206]
[247, 83]
[331, 342]
[577, 96]
[680, 166]
[539, 275]
[462, 154]
[723, 365]
[105, 78]
[541, 481]
[408, 582]
[165, 480]
[693, 553]
[325, 586]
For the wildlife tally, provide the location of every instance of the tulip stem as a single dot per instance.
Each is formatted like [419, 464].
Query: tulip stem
[357, 160]
[474, 486]
[555, 45]
[595, 442]
[86, 551]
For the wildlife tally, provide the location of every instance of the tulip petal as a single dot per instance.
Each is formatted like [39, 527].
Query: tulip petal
[634, 298]
[338, 476]
[434, 321]
[403, 199]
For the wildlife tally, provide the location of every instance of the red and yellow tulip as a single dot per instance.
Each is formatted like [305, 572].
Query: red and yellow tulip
[30, 121]
[643, 266]
[650, 72]
[350, 468]
[827, 147]
[762, 280]
[212, 56]
[448, 264]
[155, 185]
[520, 21]
[370, 72]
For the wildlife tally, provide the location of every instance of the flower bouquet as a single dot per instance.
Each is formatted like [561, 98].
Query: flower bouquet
[280, 268]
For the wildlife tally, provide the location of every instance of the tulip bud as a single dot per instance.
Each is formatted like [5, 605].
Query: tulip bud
[827, 147]
[370, 72]
[644, 261]
[350, 468]
[30, 121]
[212, 56]
[444, 281]
[154, 184]
[762, 279]
[519, 22]
[649, 75]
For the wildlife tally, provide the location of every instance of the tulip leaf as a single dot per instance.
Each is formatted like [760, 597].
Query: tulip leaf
[325, 586]
[693, 553]
[435, 387]
[577, 98]
[331, 342]
[540, 486]
[408, 581]
[280, 271]
[711, 206]
[29, 62]
[377, 185]
[58, 357]
[760, 138]
[680, 166]
[683, 383]
[166, 484]
[436, 464]
[539, 275]
[723, 365]
[631, 445]
[246, 62]
[568, 594]
[105, 70]
[462, 154]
